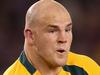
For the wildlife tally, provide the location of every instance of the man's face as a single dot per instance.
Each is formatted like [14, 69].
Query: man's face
[53, 39]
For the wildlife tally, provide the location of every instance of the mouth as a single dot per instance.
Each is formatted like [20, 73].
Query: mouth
[61, 50]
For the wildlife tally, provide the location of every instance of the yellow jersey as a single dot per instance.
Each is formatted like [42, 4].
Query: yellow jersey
[76, 65]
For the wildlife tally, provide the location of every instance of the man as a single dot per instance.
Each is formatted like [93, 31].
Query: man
[48, 37]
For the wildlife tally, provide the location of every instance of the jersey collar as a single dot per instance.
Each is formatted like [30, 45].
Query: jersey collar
[23, 59]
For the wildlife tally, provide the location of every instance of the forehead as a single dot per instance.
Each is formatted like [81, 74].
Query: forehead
[58, 19]
[47, 12]
[50, 14]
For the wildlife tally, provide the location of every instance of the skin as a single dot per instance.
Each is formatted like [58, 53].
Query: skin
[48, 36]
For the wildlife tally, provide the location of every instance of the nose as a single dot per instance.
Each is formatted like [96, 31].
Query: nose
[62, 37]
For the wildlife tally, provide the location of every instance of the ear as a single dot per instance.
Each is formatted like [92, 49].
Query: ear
[29, 36]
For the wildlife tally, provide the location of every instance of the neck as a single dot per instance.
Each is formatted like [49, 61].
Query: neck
[39, 64]
[45, 69]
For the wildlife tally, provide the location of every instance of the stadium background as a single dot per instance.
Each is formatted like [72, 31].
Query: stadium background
[86, 28]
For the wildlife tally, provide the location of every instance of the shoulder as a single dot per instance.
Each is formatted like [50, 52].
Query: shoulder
[16, 69]
[79, 57]
[11, 69]
[74, 58]
[84, 62]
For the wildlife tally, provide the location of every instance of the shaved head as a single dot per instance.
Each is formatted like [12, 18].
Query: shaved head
[44, 10]
[48, 29]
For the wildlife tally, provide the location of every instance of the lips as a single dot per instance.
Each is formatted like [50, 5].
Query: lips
[61, 50]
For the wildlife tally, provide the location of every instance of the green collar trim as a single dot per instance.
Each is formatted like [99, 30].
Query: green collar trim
[73, 69]
[26, 63]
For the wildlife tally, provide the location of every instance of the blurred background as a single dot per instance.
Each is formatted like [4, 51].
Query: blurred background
[86, 28]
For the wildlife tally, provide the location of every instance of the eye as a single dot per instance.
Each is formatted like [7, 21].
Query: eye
[52, 31]
[68, 29]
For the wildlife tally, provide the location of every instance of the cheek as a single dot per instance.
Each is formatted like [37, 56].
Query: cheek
[45, 47]
[45, 42]
[49, 39]
[70, 37]
[69, 40]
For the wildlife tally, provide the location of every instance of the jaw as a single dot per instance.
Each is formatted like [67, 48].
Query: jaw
[59, 60]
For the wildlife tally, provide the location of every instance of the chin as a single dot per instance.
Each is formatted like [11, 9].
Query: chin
[61, 62]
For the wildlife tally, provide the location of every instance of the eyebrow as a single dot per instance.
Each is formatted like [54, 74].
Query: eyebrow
[70, 24]
[55, 26]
